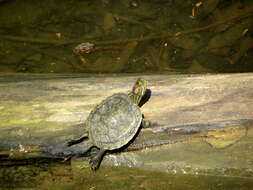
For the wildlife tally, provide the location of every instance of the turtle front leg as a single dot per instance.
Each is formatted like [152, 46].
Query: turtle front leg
[96, 159]
[145, 123]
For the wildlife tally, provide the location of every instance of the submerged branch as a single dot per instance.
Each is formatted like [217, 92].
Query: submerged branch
[177, 34]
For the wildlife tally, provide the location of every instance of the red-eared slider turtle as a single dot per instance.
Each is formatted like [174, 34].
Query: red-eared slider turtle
[114, 122]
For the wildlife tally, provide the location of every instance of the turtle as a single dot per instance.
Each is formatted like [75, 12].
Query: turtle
[113, 123]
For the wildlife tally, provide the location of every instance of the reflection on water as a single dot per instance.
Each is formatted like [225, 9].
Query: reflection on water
[60, 175]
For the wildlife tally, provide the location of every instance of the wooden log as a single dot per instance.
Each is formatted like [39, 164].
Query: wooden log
[40, 112]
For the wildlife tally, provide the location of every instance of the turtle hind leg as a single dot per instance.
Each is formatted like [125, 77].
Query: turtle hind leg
[76, 141]
[96, 159]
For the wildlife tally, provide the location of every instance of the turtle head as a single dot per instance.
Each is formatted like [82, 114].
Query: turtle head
[138, 91]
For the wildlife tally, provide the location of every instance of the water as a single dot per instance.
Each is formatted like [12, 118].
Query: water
[46, 174]
[129, 36]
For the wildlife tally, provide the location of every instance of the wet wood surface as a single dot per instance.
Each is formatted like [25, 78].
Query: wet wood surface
[40, 112]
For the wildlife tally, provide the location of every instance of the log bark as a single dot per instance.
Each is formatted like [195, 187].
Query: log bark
[40, 112]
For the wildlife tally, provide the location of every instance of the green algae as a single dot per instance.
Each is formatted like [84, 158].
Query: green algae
[60, 175]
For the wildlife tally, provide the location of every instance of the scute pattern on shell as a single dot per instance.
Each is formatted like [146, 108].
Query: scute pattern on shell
[114, 122]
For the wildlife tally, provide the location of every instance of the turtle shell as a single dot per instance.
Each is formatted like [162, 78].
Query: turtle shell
[114, 122]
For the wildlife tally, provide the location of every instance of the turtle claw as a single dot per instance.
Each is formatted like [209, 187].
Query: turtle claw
[94, 162]
[94, 167]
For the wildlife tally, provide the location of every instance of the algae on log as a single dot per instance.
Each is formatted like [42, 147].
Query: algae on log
[40, 112]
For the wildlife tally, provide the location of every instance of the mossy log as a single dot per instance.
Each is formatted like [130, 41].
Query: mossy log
[193, 118]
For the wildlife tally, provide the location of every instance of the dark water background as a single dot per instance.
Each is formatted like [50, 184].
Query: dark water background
[129, 36]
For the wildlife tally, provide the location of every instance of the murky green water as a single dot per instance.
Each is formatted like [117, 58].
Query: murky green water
[128, 36]
[60, 175]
